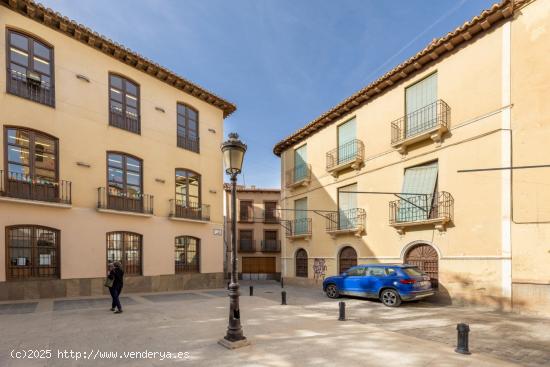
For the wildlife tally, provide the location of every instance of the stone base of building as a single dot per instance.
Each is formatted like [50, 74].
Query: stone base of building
[531, 298]
[83, 287]
[261, 276]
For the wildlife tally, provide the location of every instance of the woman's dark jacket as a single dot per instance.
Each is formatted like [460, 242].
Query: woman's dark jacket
[117, 274]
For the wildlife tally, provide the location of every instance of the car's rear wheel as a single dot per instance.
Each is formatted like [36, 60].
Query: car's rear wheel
[390, 298]
[332, 291]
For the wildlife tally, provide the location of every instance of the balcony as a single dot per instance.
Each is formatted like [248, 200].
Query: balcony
[191, 144]
[433, 210]
[30, 86]
[124, 121]
[350, 221]
[271, 217]
[246, 217]
[246, 245]
[122, 202]
[271, 246]
[298, 176]
[298, 228]
[35, 189]
[192, 211]
[429, 122]
[347, 156]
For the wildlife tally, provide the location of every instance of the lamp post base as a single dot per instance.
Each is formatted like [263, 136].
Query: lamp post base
[233, 345]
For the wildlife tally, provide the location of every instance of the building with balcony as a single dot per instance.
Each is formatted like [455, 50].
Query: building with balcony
[106, 156]
[259, 231]
[416, 168]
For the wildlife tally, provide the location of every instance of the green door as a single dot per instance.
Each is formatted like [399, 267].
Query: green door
[300, 163]
[300, 214]
[347, 207]
[347, 151]
[418, 180]
[420, 106]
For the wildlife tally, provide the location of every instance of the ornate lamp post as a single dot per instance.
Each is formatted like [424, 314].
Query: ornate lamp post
[233, 153]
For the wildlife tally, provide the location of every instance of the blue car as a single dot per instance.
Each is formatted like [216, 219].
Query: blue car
[391, 283]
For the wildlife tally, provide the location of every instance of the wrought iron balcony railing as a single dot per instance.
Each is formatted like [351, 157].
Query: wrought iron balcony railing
[271, 246]
[418, 209]
[179, 209]
[298, 227]
[298, 175]
[271, 216]
[424, 120]
[188, 143]
[350, 220]
[126, 122]
[112, 199]
[39, 91]
[246, 245]
[348, 154]
[19, 186]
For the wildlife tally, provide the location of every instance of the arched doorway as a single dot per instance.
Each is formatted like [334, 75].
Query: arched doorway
[425, 258]
[347, 258]
[301, 263]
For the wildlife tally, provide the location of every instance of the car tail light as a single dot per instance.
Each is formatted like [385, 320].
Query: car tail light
[407, 281]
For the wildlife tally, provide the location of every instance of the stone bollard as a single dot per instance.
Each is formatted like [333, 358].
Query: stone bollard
[283, 297]
[251, 290]
[341, 311]
[462, 339]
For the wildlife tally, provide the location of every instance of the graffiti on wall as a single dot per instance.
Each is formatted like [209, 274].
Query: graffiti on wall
[319, 268]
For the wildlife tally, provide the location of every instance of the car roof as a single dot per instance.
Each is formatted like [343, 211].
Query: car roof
[383, 265]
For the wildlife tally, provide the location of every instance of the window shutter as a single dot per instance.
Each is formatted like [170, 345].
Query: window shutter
[346, 133]
[300, 161]
[418, 96]
[418, 180]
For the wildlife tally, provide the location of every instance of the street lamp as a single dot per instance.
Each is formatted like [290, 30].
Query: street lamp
[233, 154]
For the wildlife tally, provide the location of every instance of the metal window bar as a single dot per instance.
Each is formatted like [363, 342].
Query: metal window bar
[20, 186]
[298, 227]
[181, 209]
[19, 85]
[247, 245]
[125, 121]
[124, 201]
[186, 142]
[271, 245]
[417, 122]
[422, 208]
[345, 153]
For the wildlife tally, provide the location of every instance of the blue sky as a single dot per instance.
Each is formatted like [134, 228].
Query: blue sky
[283, 62]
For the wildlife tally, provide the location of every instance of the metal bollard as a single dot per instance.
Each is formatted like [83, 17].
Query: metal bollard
[462, 339]
[283, 297]
[251, 290]
[282, 284]
[342, 311]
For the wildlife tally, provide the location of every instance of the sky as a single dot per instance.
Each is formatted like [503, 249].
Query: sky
[282, 62]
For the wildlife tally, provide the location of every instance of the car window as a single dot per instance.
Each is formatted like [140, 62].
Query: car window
[376, 272]
[359, 271]
[413, 272]
[391, 272]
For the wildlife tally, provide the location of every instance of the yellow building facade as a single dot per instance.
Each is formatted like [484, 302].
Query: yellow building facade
[415, 168]
[106, 156]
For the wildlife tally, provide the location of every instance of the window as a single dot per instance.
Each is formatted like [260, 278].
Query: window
[188, 194]
[300, 215]
[391, 272]
[376, 272]
[419, 188]
[246, 240]
[270, 211]
[347, 149]
[358, 271]
[300, 163]
[188, 128]
[270, 235]
[187, 254]
[30, 68]
[124, 104]
[125, 247]
[301, 263]
[33, 252]
[246, 212]
[347, 207]
[421, 111]
[124, 182]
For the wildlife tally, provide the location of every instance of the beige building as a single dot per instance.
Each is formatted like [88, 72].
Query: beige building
[415, 140]
[105, 156]
[259, 232]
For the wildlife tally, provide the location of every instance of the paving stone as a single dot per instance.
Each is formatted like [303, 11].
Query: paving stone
[17, 308]
[174, 297]
[86, 303]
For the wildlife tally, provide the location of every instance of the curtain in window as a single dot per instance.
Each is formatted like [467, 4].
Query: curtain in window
[346, 149]
[419, 96]
[300, 163]
[418, 180]
[347, 204]
[300, 214]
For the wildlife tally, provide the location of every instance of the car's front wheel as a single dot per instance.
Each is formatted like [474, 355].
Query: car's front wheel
[332, 291]
[390, 298]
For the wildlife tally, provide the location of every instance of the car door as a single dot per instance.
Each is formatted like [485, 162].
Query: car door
[375, 278]
[352, 283]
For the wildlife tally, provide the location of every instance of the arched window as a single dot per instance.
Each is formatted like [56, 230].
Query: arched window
[347, 258]
[188, 194]
[30, 68]
[301, 263]
[124, 182]
[125, 247]
[188, 128]
[187, 254]
[124, 104]
[33, 252]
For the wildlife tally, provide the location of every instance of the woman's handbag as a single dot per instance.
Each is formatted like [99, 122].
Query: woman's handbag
[108, 282]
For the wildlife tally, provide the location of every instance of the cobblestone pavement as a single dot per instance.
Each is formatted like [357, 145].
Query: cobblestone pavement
[511, 337]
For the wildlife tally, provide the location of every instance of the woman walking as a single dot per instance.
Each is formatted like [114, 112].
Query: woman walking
[116, 274]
